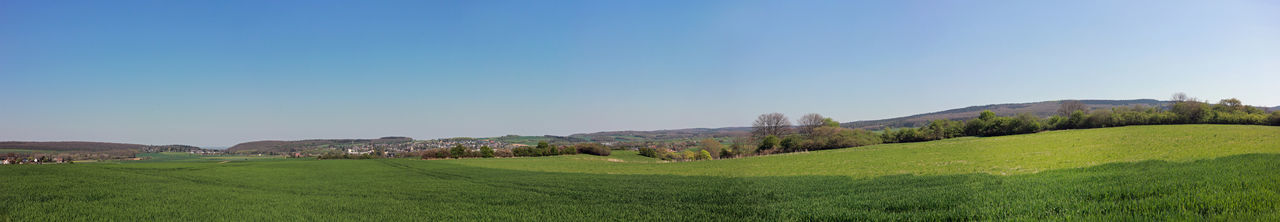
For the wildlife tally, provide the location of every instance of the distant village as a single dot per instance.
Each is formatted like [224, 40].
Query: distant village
[29, 160]
[384, 147]
[398, 149]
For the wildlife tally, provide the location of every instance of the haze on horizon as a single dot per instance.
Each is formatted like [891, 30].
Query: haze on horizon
[224, 72]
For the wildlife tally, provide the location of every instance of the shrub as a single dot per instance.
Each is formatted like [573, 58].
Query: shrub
[942, 129]
[790, 143]
[1274, 118]
[567, 150]
[667, 154]
[439, 153]
[1098, 119]
[503, 153]
[1238, 117]
[704, 155]
[688, 155]
[1055, 122]
[769, 142]
[649, 152]
[1076, 120]
[1026, 123]
[973, 127]
[1191, 111]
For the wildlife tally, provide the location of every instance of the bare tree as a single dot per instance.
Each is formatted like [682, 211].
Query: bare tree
[1181, 97]
[811, 121]
[712, 146]
[774, 124]
[1069, 106]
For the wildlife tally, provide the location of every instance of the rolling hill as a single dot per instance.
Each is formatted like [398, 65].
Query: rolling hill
[1042, 109]
[1002, 155]
[1134, 173]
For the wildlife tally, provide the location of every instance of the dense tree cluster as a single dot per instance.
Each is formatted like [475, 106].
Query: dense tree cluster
[544, 149]
[459, 151]
[827, 137]
[683, 155]
[592, 148]
[773, 134]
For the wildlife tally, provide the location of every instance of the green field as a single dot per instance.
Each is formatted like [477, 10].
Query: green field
[3, 151]
[188, 157]
[1185, 172]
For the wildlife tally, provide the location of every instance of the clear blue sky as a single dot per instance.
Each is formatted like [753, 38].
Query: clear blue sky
[223, 72]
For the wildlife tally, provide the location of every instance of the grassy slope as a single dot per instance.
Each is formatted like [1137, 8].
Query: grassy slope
[1233, 187]
[1006, 155]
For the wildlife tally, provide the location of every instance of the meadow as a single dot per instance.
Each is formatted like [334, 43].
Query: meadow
[1177, 172]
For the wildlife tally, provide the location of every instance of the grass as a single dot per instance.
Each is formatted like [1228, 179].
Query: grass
[1194, 178]
[1005, 155]
[188, 157]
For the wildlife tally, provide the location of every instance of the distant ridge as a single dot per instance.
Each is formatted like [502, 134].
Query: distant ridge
[1041, 109]
[82, 146]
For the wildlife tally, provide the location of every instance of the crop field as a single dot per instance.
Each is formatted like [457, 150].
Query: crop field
[1187, 172]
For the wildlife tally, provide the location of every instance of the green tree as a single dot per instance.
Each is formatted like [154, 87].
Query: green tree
[1190, 110]
[986, 115]
[1229, 105]
[1076, 120]
[769, 142]
[458, 151]
[830, 123]
[704, 155]
[1026, 123]
[486, 152]
[544, 149]
[791, 143]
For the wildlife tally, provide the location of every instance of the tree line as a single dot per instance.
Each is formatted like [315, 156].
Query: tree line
[774, 133]
[542, 149]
